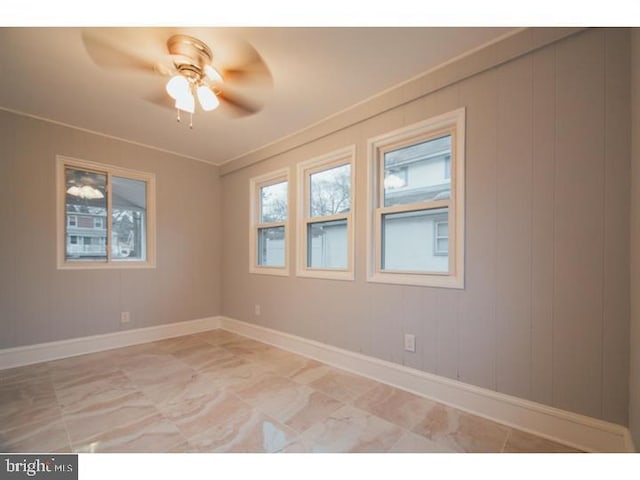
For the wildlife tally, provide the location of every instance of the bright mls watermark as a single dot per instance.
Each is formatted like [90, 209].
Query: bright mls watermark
[55, 467]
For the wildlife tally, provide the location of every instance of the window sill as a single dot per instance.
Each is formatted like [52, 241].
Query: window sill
[327, 274]
[277, 271]
[105, 266]
[440, 281]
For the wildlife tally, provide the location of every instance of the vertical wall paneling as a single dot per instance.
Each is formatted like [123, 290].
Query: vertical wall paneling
[34, 241]
[46, 304]
[477, 334]
[8, 238]
[543, 306]
[542, 225]
[615, 354]
[634, 327]
[578, 206]
[513, 228]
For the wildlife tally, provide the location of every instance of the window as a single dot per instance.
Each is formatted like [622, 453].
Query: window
[441, 237]
[106, 216]
[325, 202]
[269, 223]
[416, 214]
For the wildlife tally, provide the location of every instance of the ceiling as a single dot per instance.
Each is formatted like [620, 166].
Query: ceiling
[316, 72]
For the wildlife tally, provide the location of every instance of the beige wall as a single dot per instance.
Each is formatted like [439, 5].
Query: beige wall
[545, 312]
[39, 303]
[634, 384]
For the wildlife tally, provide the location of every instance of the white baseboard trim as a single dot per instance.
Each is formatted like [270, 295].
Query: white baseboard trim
[43, 352]
[579, 431]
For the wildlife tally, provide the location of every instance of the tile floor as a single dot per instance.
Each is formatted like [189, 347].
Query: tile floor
[221, 392]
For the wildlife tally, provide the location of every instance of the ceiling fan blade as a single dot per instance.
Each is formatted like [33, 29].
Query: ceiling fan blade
[238, 105]
[108, 54]
[248, 66]
[161, 99]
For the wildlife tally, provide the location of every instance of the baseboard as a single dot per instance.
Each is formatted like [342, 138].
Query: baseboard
[43, 352]
[579, 431]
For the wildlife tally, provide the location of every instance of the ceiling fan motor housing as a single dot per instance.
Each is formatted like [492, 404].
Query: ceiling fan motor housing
[190, 55]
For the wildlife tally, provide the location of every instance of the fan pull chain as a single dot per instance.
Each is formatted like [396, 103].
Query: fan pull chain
[178, 115]
[191, 121]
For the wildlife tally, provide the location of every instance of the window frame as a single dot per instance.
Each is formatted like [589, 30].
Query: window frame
[337, 158]
[452, 123]
[436, 237]
[110, 171]
[255, 206]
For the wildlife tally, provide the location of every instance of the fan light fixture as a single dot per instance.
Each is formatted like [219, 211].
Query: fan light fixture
[196, 76]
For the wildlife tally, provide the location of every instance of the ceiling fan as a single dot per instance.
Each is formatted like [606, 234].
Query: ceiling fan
[189, 62]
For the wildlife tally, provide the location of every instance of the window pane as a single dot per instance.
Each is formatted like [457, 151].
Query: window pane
[85, 200]
[418, 173]
[408, 241]
[128, 219]
[271, 247]
[273, 203]
[331, 191]
[327, 244]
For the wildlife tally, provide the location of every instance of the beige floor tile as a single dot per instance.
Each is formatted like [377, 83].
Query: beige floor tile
[195, 415]
[250, 431]
[352, 430]
[311, 372]
[27, 402]
[234, 372]
[248, 348]
[30, 373]
[102, 389]
[461, 431]
[298, 406]
[119, 410]
[219, 336]
[146, 434]
[36, 437]
[395, 405]
[184, 447]
[343, 386]
[413, 443]
[522, 442]
[285, 363]
[204, 356]
[178, 344]
[220, 392]
[83, 368]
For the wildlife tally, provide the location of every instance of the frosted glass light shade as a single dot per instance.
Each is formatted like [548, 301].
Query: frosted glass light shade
[208, 99]
[178, 86]
[186, 103]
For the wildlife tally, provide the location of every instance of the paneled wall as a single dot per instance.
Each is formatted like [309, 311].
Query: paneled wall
[634, 384]
[39, 303]
[545, 312]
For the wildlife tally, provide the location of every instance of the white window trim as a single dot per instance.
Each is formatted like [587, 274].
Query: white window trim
[344, 156]
[453, 121]
[436, 237]
[255, 184]
[111, 170]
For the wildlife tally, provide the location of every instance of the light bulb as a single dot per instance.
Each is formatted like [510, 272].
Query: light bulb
[186, 103]
[208, 99]
[178, 86]
[212, 73]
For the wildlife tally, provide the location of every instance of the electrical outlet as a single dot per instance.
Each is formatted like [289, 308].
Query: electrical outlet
[125, 317]
[257, 310]
[409, 342]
